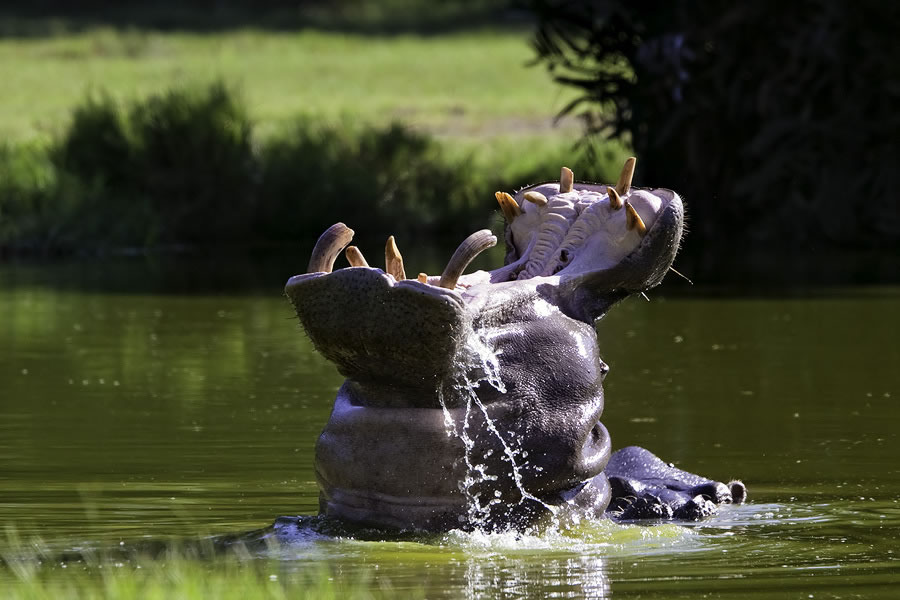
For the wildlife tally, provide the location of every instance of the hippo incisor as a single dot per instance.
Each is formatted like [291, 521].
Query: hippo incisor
[474, 400]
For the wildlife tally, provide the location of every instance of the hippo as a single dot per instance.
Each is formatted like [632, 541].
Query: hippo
[473, 400]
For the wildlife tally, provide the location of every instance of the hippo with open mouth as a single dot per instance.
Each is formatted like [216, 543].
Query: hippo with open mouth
[474, 400]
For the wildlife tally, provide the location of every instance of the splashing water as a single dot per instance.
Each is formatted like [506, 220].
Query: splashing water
[476, 472]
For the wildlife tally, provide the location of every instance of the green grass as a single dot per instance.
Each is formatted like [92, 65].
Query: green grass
[467, 86]
[198, 569]
[115, 138]
[181, 578]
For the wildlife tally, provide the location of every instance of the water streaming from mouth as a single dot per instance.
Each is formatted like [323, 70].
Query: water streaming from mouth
[466, 384]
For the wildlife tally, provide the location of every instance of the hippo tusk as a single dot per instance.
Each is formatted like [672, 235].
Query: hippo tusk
[393, 261]
[536, 198]
[355, 257]
[566, 180]
[508, 205]
[615, 200]
[328, 247]
[633, 220]
[471, 247]
[624, 183]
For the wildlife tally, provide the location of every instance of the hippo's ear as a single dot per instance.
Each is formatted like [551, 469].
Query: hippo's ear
[376, 329]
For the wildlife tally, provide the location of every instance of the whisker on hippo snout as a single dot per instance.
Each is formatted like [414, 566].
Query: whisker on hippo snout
[682, 275]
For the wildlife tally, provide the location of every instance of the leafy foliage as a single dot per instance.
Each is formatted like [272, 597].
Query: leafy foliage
[159, 173]
[392, 179]
[778, 121]
[184, 168]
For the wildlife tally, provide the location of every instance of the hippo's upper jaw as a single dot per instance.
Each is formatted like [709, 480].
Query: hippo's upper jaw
[469, 396]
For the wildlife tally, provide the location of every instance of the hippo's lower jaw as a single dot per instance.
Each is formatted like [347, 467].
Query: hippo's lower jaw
[476, 399]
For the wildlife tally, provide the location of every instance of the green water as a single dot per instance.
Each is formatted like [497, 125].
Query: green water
[132, 414]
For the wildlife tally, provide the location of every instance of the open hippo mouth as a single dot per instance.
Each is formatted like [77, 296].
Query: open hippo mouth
[477, 397]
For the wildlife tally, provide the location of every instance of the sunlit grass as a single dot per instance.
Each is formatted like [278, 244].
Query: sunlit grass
[466, 85]
[30, 570]
[189, 579]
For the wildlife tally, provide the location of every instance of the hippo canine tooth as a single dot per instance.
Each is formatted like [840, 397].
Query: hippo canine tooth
[393, 261]
[328, 246]
[536, 198]
[471, 247]
[615, 200]
[634, 220]
[355, 257]
[508, 205]
[566, 180]
[624, 184]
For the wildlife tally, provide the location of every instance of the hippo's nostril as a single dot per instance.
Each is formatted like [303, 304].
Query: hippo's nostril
[738, 491]
[713, 491]
[604, 370]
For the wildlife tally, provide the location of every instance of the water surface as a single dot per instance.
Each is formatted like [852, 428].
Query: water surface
[163, 412]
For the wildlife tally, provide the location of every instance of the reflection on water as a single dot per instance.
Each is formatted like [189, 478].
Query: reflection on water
[132, 415]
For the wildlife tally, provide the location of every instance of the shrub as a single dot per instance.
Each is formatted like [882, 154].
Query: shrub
[182, 168]
[194, 163]
[176, 168]
[392, 179]
[28, 217]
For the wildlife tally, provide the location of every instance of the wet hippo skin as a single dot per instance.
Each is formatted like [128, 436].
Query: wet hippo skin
[474, 400]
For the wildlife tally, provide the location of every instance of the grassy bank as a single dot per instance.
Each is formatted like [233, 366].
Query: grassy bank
[190, 166]
[174, 577]
[126, 138]
[472, 85]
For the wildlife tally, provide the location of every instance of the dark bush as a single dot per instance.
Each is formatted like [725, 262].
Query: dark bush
[777, 120]
[176, 168]
[392, 179]
[194, 164]
[182, 168]
[28, 217]
[96, 147]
